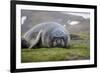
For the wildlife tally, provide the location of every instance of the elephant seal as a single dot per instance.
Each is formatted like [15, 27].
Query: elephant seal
[48, 34]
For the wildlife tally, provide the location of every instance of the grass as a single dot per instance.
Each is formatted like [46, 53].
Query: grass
[75, 52]
[78, 50]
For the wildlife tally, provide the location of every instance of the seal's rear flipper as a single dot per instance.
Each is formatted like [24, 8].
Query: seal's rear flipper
[24, 43]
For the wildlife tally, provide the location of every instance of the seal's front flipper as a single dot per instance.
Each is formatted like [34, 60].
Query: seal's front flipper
[34, 42]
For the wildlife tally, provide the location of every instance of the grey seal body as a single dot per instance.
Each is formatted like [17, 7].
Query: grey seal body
[48, 34]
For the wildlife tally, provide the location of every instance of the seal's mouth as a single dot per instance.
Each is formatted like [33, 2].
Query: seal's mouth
[58, 42]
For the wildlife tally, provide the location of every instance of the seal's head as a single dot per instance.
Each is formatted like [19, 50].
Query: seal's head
[58, 38]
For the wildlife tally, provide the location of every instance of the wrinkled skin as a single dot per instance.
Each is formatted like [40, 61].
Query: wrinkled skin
[49, 34]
